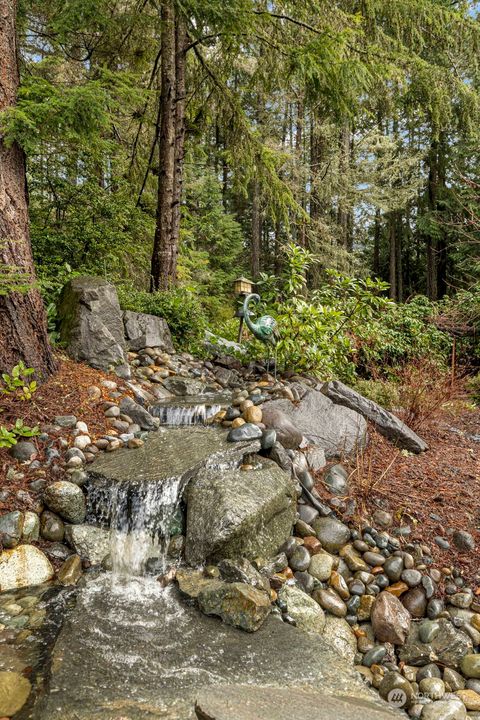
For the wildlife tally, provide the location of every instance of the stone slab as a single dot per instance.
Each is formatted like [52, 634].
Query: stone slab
[244, 702]
[137, 652]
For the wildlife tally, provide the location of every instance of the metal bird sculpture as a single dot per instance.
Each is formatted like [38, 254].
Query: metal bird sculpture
[263, 328]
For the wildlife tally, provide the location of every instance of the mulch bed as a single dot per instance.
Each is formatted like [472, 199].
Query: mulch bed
[65, 393]
[444, 481]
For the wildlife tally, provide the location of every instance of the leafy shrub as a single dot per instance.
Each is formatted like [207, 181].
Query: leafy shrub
[18, 384]
[383, 392]
[180, 307]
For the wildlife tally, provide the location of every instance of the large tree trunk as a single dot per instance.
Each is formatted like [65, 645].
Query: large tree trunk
[23, 328]
[180, 91]
[164, 247]
[256, 230]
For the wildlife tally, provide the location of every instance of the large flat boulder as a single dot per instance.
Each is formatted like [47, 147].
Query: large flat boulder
[247, 702]
[142, 653]
[234, 514]
[91, 322]
[142, 330]
[385, 422]
[336, 429]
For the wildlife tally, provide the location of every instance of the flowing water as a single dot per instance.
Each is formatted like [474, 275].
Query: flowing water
[196, 410]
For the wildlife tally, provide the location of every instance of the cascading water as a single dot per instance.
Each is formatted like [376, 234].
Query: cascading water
[192, 414]
[141, 518]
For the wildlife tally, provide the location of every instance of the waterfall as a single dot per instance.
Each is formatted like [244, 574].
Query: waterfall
[194, 414]
[140, 517]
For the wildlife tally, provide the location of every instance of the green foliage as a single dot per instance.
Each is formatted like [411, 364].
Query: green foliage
[180, 307]
[9, 437]
[385, 393]
[17, 383]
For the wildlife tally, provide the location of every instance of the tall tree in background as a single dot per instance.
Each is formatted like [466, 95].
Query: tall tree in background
[23, 334]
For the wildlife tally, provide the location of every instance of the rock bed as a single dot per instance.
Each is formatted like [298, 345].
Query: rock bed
[372, 594]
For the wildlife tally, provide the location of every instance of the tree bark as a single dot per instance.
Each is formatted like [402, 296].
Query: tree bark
[164, 249]
[23, 323]
[256, 230]
[180, 92]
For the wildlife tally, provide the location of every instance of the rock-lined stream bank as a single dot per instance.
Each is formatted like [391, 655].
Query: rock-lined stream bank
[185, 553]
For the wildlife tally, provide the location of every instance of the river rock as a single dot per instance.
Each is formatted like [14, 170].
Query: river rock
[287, 434]
[237, 604]
[338, 633]
[470, 699]
[415, 602]
[448, 647]
[51, 526]
[329, 600]
[470, 665]
[90, 542]
[71, 571]
[242, 571]
[396, 689]
[146, 331]
[14, 692]
[31, 527]
[91, 322]
[332, 533]
[66, 499]
[11, 529]
[23, 566]
[300, 558]
[321, 566]
[24, 450]
[229, 517]
[463, 540]
[338, 430]
[444, 710]
[247, 431]
[336, 480]
[385, 422]
[138, 414]
[192, 582]
[390, 621]
[182, 386]
[308, 614]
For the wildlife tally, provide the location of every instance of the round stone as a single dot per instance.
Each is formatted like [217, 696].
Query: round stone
[444, 710]
[66, 499]
[428, 631]
[435, 607]
[470, 666]
[329, 600]
[253, 414]
[428, 671]
[396, 690]
[336, 480]
[248, 431]
[432, 687]
[300, 559]
[374, 656]
[14, 691]
[269, 438]
[51, 527]
[415, 602]
[373, 559]
[23, 451]
[411, 577]
[463, 541]
[332, 533]
[321, 566]
[393, 568]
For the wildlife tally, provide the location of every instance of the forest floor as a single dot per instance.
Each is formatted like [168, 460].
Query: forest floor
[434, 493]
[67, 392]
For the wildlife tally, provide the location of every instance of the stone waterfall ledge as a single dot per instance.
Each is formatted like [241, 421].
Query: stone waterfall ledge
[237, 514]
[170, 453]
[385, 422]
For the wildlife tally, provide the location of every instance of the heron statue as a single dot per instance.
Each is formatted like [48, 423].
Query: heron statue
[264, 328]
